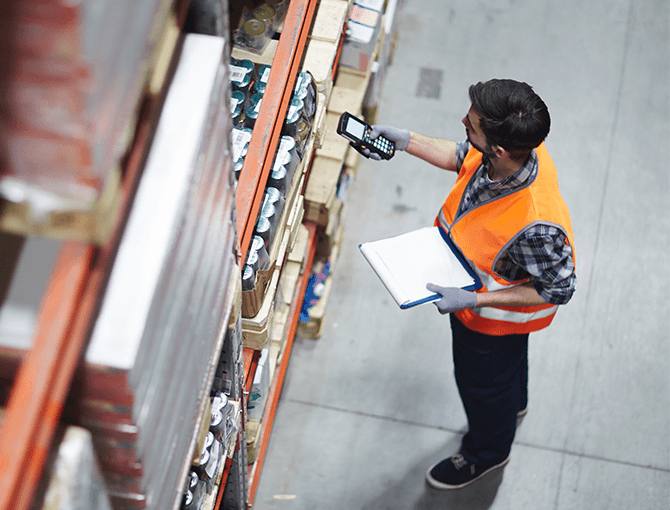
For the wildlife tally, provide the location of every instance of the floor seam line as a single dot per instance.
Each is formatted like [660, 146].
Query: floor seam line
[608, 162]
[461, 432]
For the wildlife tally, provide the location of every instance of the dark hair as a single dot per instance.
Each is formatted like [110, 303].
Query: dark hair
[511, 114]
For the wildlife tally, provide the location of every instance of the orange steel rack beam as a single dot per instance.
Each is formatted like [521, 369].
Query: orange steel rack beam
[260, 156]
[268, 126]
[276, 387]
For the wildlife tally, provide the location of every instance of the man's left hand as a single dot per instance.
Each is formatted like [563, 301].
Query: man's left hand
[453, 299]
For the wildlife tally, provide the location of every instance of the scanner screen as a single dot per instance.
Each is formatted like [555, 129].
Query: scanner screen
[356, 128]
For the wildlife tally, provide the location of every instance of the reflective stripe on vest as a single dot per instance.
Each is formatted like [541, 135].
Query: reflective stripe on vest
[517, 317]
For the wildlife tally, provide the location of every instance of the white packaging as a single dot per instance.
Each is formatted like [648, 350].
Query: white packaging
[260, 387]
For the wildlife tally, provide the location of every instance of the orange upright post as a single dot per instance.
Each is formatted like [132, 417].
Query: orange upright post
[268, 125]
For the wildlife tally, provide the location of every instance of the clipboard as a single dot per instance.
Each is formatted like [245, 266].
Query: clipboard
[407, 262]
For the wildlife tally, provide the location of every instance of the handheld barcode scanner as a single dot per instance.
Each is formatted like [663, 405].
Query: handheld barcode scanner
[358, 134]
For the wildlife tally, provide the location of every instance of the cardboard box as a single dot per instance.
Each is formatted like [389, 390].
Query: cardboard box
[363, 29]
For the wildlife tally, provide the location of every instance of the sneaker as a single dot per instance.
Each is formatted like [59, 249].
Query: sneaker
[456, 472]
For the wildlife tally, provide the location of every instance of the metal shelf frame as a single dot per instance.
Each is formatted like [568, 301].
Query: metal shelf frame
[70, 301]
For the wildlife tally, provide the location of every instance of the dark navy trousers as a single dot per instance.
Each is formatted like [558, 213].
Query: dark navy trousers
[492, 378]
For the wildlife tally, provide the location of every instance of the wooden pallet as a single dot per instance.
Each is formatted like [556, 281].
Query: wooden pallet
[329, 21]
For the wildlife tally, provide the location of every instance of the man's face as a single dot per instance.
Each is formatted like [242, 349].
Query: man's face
[475, 135]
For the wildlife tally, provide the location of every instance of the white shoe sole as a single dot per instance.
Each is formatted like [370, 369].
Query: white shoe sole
[435, 484]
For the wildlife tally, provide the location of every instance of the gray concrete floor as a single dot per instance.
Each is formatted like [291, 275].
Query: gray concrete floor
[368, 407]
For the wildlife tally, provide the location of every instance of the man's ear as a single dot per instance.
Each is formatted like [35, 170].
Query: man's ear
[499, 151]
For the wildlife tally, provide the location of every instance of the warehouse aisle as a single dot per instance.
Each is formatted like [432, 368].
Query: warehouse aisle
[368, 407]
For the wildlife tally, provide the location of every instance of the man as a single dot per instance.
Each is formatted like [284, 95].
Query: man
[507, 216]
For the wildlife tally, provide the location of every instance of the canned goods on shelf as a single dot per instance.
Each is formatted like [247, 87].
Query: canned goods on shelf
[278, 178]
[263, 76]
[241, 73]
[258, 247]
[265, 231]
[248, 278]
[252, 110]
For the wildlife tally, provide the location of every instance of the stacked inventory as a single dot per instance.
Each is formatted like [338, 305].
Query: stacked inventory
[335, 163]
[77, 72]
[157, 339]
[269, 275]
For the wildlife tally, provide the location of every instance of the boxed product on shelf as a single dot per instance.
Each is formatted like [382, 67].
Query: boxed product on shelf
[77, 78]
[380, 65]
[329, 21]
[259, 388]
[363, 29]
[258, 25]
[321, 189]
[172, 288]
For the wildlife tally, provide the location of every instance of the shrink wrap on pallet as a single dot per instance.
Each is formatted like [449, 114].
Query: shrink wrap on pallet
[166, 307]
[155, 345]
[74, 71]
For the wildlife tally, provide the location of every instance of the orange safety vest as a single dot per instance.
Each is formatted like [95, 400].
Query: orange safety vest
[485, 232]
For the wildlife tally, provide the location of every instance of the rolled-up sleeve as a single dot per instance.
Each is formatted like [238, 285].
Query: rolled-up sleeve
[543, 253]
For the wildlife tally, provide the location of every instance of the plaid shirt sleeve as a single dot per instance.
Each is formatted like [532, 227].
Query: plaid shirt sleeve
[462, 149]
[542, 254]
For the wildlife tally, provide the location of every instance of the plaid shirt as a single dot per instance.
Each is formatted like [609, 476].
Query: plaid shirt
[540, 253]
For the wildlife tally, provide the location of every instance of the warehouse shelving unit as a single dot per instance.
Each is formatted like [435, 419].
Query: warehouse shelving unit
[69, 305]
[257, 166]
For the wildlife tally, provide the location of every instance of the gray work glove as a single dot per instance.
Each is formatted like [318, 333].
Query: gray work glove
[453, 299]
[398, 136]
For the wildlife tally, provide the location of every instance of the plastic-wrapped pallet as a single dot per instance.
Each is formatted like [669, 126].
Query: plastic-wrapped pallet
[78, 69]
[75, 481]
[170, 293]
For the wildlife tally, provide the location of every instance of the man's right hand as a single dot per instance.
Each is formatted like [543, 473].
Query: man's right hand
[398, 136]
